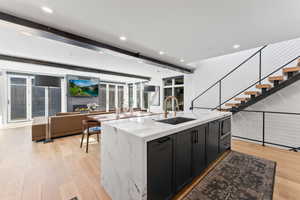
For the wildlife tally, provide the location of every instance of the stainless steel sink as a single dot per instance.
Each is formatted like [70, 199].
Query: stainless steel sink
[175, 120]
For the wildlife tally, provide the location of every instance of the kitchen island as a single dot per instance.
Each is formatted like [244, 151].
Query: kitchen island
[149, 159]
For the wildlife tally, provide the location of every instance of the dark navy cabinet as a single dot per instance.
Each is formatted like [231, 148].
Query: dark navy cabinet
[198, 149]
[160, 169]
[212, 141]
[174, 161]
[225, 135]
[183, 159]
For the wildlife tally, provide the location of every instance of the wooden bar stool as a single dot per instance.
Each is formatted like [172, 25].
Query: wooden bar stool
[90, 127]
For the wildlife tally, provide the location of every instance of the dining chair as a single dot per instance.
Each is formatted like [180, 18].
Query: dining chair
[90, 127]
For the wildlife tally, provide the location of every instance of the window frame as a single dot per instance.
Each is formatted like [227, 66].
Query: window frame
[116, 95]
[173, 86]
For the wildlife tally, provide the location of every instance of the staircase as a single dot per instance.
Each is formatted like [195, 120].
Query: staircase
[248, 97]
[289, 76]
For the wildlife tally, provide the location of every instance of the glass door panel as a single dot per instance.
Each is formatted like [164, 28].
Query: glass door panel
[54, 101]
[138, 95]
[130, 95]
[38, 101]
[146, 100]
[168, 92]
[121, 97]
[179, 94]
[112, 97]
[102, 98]
[17, 99]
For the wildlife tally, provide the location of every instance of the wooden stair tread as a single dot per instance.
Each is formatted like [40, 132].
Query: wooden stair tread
[260, 86]
[232, 104]
[275, 78]
[251, 93]
[241, 99]
[291, 69]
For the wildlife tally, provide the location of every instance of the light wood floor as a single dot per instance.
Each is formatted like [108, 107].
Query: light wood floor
[61, 170]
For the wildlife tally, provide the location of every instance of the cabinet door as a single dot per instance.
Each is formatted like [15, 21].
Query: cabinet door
[183, 159]
[225, 143]
[199, 161]
[225, 126]
[212, 141]
[160, 169]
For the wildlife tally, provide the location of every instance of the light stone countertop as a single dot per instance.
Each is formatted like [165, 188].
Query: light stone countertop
[147, 128]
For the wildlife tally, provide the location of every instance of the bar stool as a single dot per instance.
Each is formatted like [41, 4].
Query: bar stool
[90, 127]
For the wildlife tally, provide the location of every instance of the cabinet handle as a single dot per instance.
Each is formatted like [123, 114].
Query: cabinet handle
[163, 140]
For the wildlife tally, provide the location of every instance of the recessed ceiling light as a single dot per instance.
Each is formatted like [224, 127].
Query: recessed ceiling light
[26, 33]
[47, 10]
[140, 61]
[181, 60]
[236, 46]
[101, 52]
[123, 38]
[161, 53]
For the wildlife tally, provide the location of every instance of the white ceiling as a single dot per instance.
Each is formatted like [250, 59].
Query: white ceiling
[190, 29]
[20, 41]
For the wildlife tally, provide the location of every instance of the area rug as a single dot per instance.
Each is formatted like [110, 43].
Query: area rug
[237, 177]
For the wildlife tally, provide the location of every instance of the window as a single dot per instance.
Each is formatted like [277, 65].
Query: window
[121, 97]
[145, 100]
[168, 92]
[179, 81]
[102, 98]
[38, 101]
[112, 95]
[18, 98]
[174, 87]
[27, 101]
[130, 95]
[179, 94]
[138, 95]
[168, 82]
[54, 101]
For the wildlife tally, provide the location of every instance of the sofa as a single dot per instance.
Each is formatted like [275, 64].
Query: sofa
[63, 124]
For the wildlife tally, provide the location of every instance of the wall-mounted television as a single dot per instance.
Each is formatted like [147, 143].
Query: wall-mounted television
[83, 88]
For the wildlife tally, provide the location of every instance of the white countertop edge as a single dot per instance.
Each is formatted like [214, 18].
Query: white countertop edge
[166, 129]
[185, 126]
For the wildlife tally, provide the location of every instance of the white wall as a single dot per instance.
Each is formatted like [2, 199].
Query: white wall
[279, 128]
[211, 70]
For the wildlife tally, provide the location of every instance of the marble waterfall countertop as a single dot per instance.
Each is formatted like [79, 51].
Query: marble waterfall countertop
[124, 150]
[147, 128]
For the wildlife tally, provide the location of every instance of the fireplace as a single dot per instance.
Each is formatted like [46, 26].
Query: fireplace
[77, 108]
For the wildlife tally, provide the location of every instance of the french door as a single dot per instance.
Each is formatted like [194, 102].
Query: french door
[19, 98]
[26, 101]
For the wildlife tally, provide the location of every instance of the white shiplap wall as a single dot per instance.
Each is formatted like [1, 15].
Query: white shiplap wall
[282, 129]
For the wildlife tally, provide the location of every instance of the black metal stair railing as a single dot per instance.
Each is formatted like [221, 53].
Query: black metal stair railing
[219, 82]
[259, 81]
[259, 52]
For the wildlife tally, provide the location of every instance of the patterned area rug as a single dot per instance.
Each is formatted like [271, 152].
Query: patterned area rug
[238, 177]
